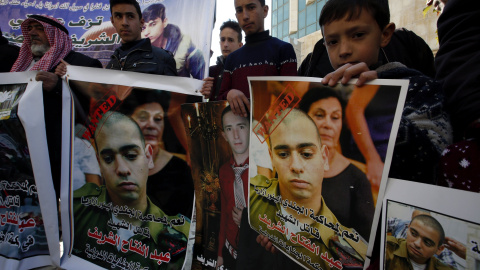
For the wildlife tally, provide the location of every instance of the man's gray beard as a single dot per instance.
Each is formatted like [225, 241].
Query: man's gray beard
[39, 50]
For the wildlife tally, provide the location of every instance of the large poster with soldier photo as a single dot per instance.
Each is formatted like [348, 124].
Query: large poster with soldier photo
[129, 190]
[28, 216]
[170, 24]
[330, 151]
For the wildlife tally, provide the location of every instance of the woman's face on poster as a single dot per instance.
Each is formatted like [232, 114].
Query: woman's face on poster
[150, 117]
[327, 115]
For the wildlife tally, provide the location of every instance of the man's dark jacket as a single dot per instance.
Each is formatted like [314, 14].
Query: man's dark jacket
[144, 59]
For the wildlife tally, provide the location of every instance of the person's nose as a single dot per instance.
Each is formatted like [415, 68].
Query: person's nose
[345, 49]
[296, 165]
[122, 168]
[235, 133]
[32, 32]
[124, 21]
[417, 242]
[150, 123]
[327, 123]
[245, 15]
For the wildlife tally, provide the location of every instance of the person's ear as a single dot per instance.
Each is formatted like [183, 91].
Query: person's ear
[149, 155]
[440, 249]
[165, 22]
[324, 151]
[111, 19]
[142, 22]
[265, 11]
[240, 44]
[387, 34]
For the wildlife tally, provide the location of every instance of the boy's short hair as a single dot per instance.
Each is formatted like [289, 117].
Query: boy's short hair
[432, 223]
[337, 9]
[153, 12]
[129, 2]
[262, 2]
[234, 26]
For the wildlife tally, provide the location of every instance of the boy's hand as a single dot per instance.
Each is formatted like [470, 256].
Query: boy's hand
[238, 101]
[207, 87]
[349, 71]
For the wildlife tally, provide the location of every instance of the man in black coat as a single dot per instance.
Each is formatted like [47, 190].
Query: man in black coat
[8, 54]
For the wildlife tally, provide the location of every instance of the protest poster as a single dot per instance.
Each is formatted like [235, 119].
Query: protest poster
[28, 216]
[219, 142]
[317, 203]
[429, 225]
[93, 34]
[136, 210]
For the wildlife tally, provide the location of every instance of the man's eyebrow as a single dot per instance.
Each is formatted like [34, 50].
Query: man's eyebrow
[123, 13]
[122, 149]
[355, 28]
[304, 145]
[281, 147]
[129, 147]
[106, 151]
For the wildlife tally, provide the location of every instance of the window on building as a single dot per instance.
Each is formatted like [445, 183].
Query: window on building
[308, 17]
[280, 16]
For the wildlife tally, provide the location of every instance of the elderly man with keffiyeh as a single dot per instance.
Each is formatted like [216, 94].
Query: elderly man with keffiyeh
[46, 43]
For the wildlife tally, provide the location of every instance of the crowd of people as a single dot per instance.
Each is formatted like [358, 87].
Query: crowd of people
[437, 139]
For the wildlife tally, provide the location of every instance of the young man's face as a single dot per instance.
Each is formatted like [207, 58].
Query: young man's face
[229, 41]
[299, 159]
[422, 241]
[250, 15]
[236, 132]
[124, 162]
[39, 41]
[127, 22]
[354, 41]
[153, 29]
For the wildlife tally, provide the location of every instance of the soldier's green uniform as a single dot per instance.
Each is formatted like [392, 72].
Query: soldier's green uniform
[162, 238]
[327, 247]
[396, 256]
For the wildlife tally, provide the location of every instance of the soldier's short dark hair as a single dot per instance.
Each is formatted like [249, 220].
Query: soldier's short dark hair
[432, 223]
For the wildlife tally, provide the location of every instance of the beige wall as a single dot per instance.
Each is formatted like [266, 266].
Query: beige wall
[409, 14]
[404, 13]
